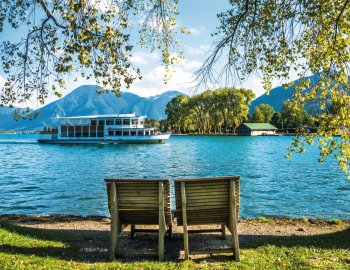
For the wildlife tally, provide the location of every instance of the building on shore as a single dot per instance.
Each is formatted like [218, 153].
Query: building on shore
[256, 129]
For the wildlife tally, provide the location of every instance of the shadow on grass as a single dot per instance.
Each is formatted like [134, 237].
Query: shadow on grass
[92, 246]
[16, 246]
[336, 240]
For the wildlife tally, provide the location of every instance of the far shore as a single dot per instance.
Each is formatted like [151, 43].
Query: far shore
[230, 134]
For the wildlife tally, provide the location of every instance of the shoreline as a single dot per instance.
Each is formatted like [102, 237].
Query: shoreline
[69, 217]
[233, 135]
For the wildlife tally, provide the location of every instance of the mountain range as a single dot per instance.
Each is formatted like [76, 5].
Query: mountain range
[86, 101]
[278, 95]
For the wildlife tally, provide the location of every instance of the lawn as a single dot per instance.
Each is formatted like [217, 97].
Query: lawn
[33, 248]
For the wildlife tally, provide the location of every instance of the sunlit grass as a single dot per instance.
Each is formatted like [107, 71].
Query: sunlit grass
[28, 248]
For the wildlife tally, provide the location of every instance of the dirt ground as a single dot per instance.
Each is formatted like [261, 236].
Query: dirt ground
[91, 235]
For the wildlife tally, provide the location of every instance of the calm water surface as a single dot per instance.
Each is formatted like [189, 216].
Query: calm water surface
[68, 179]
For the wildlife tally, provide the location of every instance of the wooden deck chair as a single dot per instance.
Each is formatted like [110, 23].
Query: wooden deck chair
[138, 202]
[208, 201]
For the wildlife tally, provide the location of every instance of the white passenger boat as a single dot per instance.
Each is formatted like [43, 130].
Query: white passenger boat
[108, 128]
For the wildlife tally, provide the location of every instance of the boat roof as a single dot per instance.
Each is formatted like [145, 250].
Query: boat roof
[97, 116]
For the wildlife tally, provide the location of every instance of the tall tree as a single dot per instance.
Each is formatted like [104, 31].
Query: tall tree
[294, 118]
[258, 115]
[175, 111]
[276, 120]
[264, 113]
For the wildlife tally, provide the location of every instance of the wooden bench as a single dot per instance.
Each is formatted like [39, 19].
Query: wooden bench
[138, 202]
[207, 201]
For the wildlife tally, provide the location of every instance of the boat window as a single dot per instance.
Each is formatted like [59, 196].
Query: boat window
[70, 131]
[118, 133]
[93, 122]
[64, 131]
[100, 131]
[118, 122]
[140, 132]
[85, 131]
[111, 133]
[92, 131]
[133, 133]
[125, 133]
[78, 131]
[146, 132]
[101, 122]
[134, 121]
[110, 122]
[126, 122]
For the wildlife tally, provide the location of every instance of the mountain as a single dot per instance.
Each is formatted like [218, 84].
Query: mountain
[6, 118]
[278, 95]
[85, 101]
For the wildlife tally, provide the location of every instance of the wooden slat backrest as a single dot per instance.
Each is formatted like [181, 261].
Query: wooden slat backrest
[138, 200]
[207, 200]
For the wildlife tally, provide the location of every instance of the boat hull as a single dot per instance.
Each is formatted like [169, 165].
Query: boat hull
[162, 138]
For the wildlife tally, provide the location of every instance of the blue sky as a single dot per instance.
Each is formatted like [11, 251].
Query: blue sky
[200, 17]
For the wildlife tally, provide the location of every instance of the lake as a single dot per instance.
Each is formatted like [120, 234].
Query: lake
[68, 179]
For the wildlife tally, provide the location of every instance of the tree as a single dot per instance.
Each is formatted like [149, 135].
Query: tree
[273, 38]
[89, 38]
[175, 111]
[258, 115]
[265, 37]
[152, 123]
[294, 118]
[206, 112]
[163, 125]
[240, 110]
[264, 113]
[276, 120]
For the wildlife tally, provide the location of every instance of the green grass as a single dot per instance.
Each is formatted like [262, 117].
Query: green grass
[28, 248]
[336, 221]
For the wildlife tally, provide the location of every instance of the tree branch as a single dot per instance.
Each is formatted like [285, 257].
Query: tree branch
[49, 14]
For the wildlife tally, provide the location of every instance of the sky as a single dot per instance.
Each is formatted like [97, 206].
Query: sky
[200, 17]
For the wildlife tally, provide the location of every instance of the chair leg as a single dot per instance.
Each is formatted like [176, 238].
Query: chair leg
[115, 222]
[235, 242]
[113, 239]
[132, 231]
[186, 248]
[233, 221]
[161, 222]
[223, 231]
[161, 235]
[170, 231]
[184, 219]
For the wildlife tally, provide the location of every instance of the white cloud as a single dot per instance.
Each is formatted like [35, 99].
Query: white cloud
[202, 49]
[197, 31]
[142, 58]
[152, 83]
[190, 65]
[2, 81]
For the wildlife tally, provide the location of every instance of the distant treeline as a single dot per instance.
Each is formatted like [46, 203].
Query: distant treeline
[223, 110]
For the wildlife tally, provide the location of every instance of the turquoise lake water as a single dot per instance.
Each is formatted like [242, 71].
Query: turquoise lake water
[68, 179]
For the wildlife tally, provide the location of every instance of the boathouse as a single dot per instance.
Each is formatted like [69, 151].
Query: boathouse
[256, 129]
